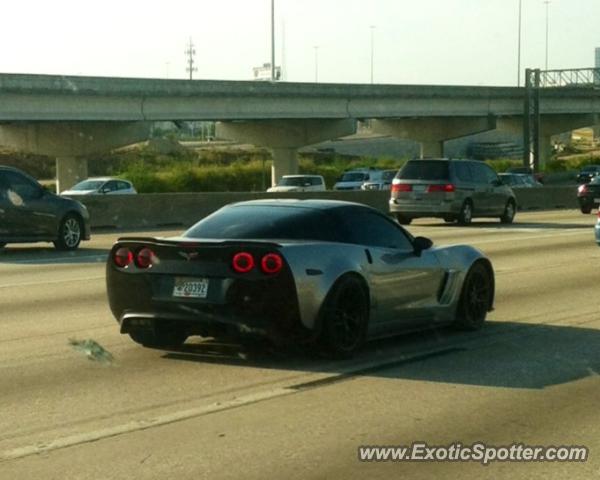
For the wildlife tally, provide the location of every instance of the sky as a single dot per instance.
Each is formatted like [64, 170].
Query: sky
[454, 42]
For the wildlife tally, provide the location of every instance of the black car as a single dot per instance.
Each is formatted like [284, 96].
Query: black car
[588, 195]
[30, 213]
[587, 173]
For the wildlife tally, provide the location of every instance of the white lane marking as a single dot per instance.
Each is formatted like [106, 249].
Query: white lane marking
[54, 259]
[48, 282]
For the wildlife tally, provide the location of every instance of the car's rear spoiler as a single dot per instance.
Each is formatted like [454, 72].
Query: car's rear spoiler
[190, 242]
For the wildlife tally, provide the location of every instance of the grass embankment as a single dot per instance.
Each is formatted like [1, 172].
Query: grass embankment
[232, 169]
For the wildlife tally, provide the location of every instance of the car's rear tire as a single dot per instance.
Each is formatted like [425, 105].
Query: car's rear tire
[465, 216]
[402, 219]
[509, 212]
[159, 337]
[586, 210]
[70, 233]
[345, 317]
[475, 298]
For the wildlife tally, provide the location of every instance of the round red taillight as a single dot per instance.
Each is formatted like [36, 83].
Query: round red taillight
[122, 257]
[242, 262]
[145, 258]
[271, 263]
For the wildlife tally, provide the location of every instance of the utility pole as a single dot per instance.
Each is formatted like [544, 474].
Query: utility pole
[547, 2]
[272, 40]
[372, 27]
[519, 46]
[316, 47]
[191, 53]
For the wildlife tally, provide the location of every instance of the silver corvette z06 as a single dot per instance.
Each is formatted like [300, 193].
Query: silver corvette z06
[295, 270]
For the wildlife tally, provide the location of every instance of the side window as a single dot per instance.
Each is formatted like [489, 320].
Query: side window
[370, 228]
[490, 175]
[316, 181]
[463, 173]
[110, 186]
[479, 172]
[123, 186]
[24, 188]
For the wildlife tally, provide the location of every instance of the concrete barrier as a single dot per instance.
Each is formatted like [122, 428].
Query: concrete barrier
[185, 209]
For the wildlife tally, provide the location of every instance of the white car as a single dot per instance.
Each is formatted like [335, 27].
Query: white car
[101, 186]
[354, 179]
[384, 183]
[299, 183]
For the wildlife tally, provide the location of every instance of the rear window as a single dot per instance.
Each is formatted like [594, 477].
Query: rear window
[354, 177]
[424, 170]
[263, 222]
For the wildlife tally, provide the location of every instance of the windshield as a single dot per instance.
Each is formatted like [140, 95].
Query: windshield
[294, 181]
[88, 185]
[354, 177]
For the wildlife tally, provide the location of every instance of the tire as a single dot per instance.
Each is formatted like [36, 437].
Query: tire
[586, 210]
[509, 212]
[465, 216]
[158, 337]
[402, 220]
[449, 219]
[475, 298]
[345, 317]
[70, 232]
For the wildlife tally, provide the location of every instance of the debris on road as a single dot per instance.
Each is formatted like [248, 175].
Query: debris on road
[93, 350]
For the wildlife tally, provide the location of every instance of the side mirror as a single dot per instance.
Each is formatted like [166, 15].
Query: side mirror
[420, 244]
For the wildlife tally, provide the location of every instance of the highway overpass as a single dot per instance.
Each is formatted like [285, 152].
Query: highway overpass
[70, 117]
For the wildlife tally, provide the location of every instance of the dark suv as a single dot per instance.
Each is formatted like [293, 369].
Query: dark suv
[29, 213]
[455, 190]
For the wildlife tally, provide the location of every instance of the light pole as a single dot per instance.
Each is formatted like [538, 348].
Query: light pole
[519, 47]
[372, 27]
[547, 2]
[272, 40]
[316, 47]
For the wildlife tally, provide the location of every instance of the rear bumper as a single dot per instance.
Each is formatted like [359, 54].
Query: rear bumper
[424, 209]
[208, 324]
[233, 306]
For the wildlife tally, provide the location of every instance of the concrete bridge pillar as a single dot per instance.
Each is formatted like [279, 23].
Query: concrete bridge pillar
[432, 149]
[431, 132]
[69, 171]
[285, 137]
[285, 162]
[70, 142]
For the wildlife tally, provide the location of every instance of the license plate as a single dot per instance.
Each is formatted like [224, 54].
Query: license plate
[190, 287]
[419, 188]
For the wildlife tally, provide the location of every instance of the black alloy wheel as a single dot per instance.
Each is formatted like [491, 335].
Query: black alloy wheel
[475, 298]
[345, 317]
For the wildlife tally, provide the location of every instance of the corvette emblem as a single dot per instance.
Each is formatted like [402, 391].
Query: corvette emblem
[189, 255]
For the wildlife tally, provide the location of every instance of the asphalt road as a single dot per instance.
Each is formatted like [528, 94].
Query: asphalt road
[219, 410]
